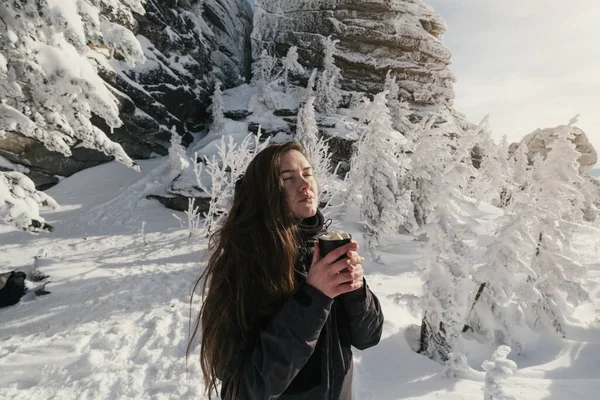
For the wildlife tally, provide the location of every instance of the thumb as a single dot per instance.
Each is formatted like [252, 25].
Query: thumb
[316, 253]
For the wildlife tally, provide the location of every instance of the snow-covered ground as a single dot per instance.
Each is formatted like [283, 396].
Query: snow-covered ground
[116, 323]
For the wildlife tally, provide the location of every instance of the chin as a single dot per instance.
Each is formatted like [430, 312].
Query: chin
[306, 212]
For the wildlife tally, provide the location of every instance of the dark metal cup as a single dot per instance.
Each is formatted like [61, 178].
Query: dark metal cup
[327, 245]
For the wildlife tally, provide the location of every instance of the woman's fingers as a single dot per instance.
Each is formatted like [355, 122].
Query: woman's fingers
[340, 251]
[346, 277]
[349, 286]
[356, 260]
[316, 253]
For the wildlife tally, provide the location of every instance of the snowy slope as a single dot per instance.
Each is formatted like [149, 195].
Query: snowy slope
[116, 323]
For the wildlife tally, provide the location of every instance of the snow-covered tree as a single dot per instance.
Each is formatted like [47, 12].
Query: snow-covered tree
[178, 159]
[498, 369]
[223, 170]
[218, 118]
[377, 160]
[328, 60]
[448, 264]
[49, 84]
[447, 285]
[20, 203]
[494, 173]
[310, 86]
[328, 94]
[291, 64]
[497, 314]
[307, 131]
[263, 68]
[558, 282]
[398, 109]
[429, 159]
[317, 150]
[531, 275]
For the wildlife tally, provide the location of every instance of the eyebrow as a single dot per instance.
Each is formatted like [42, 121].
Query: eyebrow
[292, 170]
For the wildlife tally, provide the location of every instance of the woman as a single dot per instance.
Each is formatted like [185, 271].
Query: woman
[278, 320]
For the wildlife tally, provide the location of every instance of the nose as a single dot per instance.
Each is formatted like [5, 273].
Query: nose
[304, 185]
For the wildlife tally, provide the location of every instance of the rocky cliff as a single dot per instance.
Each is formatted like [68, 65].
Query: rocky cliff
[374, 36]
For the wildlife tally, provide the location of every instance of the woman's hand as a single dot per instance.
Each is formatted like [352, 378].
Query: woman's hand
[334, 278]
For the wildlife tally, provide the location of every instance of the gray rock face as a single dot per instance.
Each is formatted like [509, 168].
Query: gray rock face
[375, 36]
[188, 44]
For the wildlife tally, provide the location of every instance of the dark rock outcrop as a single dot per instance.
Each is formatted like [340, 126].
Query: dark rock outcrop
[374, 36]
[46, 166]
[181, 203]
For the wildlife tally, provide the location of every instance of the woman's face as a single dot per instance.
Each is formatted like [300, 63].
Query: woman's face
[300, 185]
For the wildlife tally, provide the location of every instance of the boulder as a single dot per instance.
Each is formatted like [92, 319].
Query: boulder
[538, 142]
[375, 36]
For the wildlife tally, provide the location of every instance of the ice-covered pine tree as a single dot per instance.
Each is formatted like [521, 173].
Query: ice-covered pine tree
[291, 64]
[430, 158]
[317, 149]
[494, 174]
[307, 132]
[263, 68]
[49, 86]
[447, 264]
[310, 86]
[558, 282]
[328, 94]
[374, 168]
[497, 370]
[398, 109]
[532, 275]
[497, 314]
[218, 118]
[178, 159]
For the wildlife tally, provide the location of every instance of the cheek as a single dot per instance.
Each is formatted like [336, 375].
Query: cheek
[289, 193]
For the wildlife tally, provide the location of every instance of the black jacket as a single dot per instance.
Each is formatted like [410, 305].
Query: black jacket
[304, 351]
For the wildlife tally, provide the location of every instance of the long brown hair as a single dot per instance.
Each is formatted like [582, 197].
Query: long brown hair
[250, 271]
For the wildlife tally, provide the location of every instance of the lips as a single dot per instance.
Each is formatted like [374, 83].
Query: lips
[305, 200]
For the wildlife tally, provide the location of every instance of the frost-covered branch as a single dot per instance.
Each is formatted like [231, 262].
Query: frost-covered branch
[374, 171]
[49, 86]
[20, 203]
[222, 171]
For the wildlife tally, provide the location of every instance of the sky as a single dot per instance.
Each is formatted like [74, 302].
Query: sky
[528, 64]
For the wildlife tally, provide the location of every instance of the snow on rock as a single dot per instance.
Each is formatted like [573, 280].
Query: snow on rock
[374, 36]
[539, 142]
